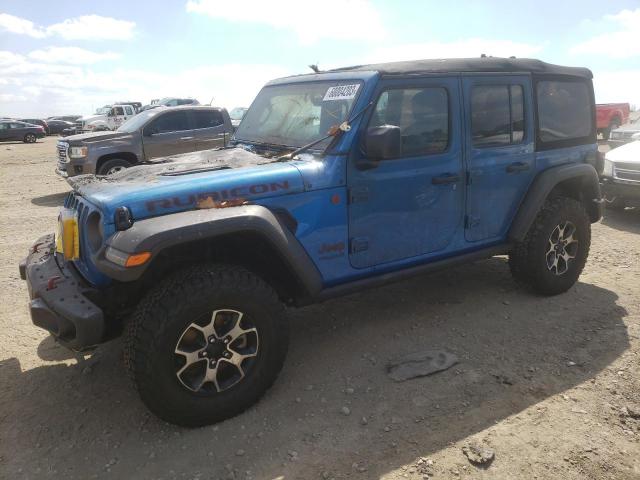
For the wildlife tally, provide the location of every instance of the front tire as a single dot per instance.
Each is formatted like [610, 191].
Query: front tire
[555, 250]
[112, 166]
[206, 344]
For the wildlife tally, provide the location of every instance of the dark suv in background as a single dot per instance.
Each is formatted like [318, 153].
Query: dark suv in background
[159, 132]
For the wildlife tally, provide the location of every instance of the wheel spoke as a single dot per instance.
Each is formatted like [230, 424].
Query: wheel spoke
[211, 375]
[191, 358]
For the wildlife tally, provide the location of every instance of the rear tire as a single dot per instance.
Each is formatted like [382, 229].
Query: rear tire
[112, 166]
[165, 322]
[30, 138]
[554, 252]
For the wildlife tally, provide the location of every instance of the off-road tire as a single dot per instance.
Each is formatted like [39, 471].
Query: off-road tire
[160, 318]
[30, 138]
[112, 164]
[528, 259]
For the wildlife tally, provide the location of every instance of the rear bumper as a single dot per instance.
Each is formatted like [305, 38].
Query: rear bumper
[58, 298]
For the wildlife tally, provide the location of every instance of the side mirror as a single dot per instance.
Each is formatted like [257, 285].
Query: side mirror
[383, 142]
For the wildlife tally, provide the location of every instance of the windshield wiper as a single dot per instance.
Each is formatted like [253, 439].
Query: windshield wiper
[334, 131]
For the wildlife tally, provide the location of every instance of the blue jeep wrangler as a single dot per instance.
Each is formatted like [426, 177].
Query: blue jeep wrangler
[336, 181]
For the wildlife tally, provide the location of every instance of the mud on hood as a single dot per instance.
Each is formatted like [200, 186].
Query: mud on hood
[202, 179]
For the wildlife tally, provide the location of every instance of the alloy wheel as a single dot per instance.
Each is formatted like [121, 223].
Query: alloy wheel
[214, 354]
[562, 248]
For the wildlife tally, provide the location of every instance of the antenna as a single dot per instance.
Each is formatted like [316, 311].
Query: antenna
[315, 68]
[211, 102]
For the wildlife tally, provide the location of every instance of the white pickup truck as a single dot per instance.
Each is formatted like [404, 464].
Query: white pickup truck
[109, 117]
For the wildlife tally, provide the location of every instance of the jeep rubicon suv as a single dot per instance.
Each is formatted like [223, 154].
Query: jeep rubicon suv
[335, 181]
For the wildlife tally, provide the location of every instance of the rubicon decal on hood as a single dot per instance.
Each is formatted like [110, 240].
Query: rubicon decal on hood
[246, 191]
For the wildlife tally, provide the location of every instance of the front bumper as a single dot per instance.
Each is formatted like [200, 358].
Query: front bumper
[58, 298]
[612, 190]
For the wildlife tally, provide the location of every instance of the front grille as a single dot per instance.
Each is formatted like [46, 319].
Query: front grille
[62, 152]
[628, 166]
[83, 209]
[629, 175]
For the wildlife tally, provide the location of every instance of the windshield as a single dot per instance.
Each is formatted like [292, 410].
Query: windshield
[296, 114]
[237, 113]
[138, 121]
[103, 110]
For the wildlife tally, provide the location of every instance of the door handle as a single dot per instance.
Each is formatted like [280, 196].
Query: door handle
[186, 138]
[445, 179]
[517, 167]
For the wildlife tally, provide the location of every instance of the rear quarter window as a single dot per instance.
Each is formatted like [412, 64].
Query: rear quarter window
[565, 112]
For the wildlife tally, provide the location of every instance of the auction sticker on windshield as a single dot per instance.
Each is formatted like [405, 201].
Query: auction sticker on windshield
[341, 92]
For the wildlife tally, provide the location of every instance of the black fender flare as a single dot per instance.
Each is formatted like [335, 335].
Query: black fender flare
[542, 186]
[158, 233]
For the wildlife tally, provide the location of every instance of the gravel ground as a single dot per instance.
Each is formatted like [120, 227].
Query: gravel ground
[550, 385]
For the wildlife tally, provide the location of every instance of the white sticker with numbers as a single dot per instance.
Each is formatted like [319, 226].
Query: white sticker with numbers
[341, 92]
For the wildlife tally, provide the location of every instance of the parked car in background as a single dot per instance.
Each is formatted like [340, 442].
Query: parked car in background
[625, 134]
[159, 132]
[66, 118]
[170, 102]
[56, 127]
[17, 130]
[236, 115]
[620, 178]
[36, 121]
[610, 116]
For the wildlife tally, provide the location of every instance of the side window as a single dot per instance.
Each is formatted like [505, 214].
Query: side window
[128, 110]
[4, 126]
[564, 110]
[422, 115]
[207, 119]
[118, 111]
[172, 103]
[17, 125]
[185, 101]
[497, 115]
[169, 122]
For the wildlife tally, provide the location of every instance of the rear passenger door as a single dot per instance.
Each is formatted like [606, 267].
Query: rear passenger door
[169, 134]
[499, 152]
[209, 129]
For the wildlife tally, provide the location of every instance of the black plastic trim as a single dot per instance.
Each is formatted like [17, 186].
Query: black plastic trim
[155, 234]
[395, 276]
[542, 186]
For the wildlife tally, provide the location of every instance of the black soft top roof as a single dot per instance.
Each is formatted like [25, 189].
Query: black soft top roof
[460, 65]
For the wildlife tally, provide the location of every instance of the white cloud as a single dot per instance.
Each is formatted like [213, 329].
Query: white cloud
[86, 27]
[618, 86]
[467, 48]
[621, 43]
[21, 26]
[93, 27]
[41, 89]
[71, 55]
[331, 19]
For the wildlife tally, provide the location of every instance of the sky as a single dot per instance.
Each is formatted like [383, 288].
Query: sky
[71, 57]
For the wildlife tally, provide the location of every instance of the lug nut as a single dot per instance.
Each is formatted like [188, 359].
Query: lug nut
[204, 354]
[212, 340]
[212, 363]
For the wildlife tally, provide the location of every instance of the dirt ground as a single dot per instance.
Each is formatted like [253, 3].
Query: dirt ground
[549, 384]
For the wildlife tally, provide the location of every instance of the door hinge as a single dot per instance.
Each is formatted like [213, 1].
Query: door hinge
[359, 244]
[358, 195]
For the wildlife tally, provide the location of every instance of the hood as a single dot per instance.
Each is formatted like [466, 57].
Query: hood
[629, 153]
[91, 118]
[629, 127]
[205, 179]
[95, 137]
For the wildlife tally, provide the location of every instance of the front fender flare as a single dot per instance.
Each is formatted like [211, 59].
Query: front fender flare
[156, 234]
[542, 186]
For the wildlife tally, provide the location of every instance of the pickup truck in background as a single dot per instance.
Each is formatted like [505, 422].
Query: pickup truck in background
[610, 116]
[159, 132]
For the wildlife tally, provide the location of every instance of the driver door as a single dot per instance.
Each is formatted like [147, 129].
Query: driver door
[169, 134]
[411, 205]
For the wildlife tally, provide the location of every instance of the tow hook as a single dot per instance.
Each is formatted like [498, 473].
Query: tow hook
[51, 283]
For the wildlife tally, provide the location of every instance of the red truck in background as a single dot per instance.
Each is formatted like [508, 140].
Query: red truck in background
[610, 116]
